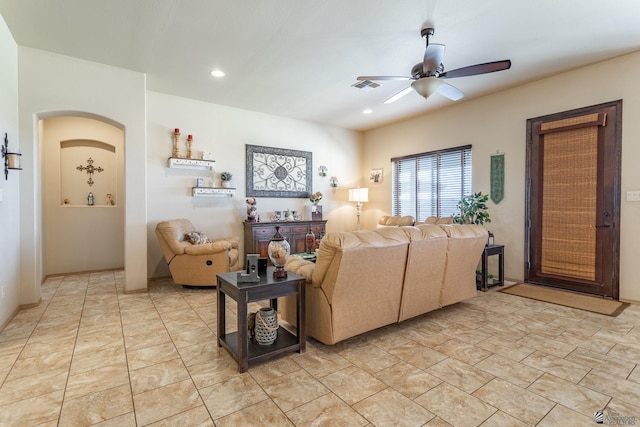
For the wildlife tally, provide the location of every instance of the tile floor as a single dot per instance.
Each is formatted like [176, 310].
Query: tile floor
[91, 355]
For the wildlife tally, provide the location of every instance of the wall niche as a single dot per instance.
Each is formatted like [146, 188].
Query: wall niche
[88, 166]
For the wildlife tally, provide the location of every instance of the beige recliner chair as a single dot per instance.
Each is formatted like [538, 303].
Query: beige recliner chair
[195, 264]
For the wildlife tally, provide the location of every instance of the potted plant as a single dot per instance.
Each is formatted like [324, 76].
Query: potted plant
[226, 179]
[473, 209]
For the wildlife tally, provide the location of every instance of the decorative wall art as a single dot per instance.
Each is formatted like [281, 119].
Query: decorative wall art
[497, 177]
[375, 175]
[278, 172]
[91, 169]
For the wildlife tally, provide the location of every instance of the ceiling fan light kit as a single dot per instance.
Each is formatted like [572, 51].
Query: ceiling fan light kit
[427, 74]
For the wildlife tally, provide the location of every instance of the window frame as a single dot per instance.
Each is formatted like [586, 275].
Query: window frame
[413, 205]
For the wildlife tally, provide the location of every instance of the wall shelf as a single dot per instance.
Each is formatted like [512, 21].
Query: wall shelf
[180, 162]
[213, 192]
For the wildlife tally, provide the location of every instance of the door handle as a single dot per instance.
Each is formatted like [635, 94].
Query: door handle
[603, 226]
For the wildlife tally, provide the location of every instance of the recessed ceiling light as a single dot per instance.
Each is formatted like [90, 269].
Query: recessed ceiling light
[217, 73]
[367, 111]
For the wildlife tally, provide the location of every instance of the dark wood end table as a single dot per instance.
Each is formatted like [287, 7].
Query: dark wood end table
[243, 349]
[488, 251]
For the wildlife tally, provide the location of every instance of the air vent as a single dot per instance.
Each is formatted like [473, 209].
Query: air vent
[365, 85]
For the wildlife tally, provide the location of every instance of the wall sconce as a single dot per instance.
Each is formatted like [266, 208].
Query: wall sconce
[333, 181]
[358, 195]
[11, 160]
[322, 170]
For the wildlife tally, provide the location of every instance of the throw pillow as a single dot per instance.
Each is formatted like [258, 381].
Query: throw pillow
[196, 238]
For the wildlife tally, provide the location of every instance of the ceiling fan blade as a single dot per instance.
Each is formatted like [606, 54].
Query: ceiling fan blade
[451, 92]
[384, 78]
[433, 56]
[398, 95]
[472, 70]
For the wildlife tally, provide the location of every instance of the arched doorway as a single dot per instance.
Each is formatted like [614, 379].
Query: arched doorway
[82, 156]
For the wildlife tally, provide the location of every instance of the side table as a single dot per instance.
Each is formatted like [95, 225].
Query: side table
[238, 344]
[488, 251]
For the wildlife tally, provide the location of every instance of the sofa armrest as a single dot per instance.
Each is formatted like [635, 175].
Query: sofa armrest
[301, 267]
[208, 248]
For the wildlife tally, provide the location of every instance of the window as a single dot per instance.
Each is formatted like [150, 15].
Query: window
[431, 184]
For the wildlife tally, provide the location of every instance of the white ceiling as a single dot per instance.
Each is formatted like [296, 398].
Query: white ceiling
[299, 58]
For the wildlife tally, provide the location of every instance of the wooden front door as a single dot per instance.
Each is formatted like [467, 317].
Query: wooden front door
[572, 233]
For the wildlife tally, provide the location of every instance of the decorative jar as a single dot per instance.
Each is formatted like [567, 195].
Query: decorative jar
[279, 251]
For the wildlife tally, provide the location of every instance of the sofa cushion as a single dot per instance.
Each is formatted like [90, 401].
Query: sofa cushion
[395, 221]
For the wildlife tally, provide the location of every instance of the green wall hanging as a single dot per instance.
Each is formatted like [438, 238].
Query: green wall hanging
[497, 178]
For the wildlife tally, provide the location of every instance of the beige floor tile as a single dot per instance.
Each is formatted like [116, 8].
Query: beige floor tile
[352, 384]
[98, 340]
[516, 373]
[561, 416]
[585, 343]
[327, 410]
[148, 356]
[417, 355]
[167, 401]
[635, 375]
[294, 389]
[621, 389]
[426, 338]
[32, 411]
[561, 368]
[408, 380]
[515, 401]
[505, 347]
[265, 413]
[578, 398]
[369, 358]
[602, 362]
[124, 420]
[93, 360]
[90, 382]
[390, 408]
[234, 394]
[541, 343]
[42, 348]
[463, 351]
[618, 407]
[460, 374]
[34, 365]
[11, 348]
[97, 407]
[192, 337]
[158, 375]
[630, 353]
[196, 417]
[216, 371]
[502, 419]
[200, 353]
[446, 402]
[44, 382]
[321, 363]
[137, 342]
[276, 368]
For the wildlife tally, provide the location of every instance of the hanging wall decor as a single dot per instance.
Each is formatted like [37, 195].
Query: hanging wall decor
[497, 177]
[277, 172]
[91, 169]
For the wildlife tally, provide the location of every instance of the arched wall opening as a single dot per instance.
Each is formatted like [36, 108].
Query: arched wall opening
[83, 209]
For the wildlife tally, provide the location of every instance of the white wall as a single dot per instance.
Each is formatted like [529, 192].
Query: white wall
[78, 237]
[224, 131]
[498, 123]
[53, 85]
[9, 189]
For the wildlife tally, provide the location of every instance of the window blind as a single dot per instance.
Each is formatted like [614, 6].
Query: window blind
[431, 184]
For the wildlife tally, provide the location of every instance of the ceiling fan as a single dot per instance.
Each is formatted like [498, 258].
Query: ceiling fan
[427, 75]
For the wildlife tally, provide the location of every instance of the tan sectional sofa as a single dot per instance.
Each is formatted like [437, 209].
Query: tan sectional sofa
[364, 280]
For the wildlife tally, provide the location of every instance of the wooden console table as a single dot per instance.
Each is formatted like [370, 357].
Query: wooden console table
[258, 234]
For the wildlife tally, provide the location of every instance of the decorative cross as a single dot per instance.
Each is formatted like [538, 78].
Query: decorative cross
[90, 170]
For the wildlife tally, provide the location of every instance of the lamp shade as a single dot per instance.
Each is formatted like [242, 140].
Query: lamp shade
[359, 195]
[427, 86]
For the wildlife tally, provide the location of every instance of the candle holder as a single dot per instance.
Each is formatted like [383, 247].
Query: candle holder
[11, 160]
[176, 143]
[189, 142]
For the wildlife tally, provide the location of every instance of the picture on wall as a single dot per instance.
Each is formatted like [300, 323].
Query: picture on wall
[375, 175]
[278, 172]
